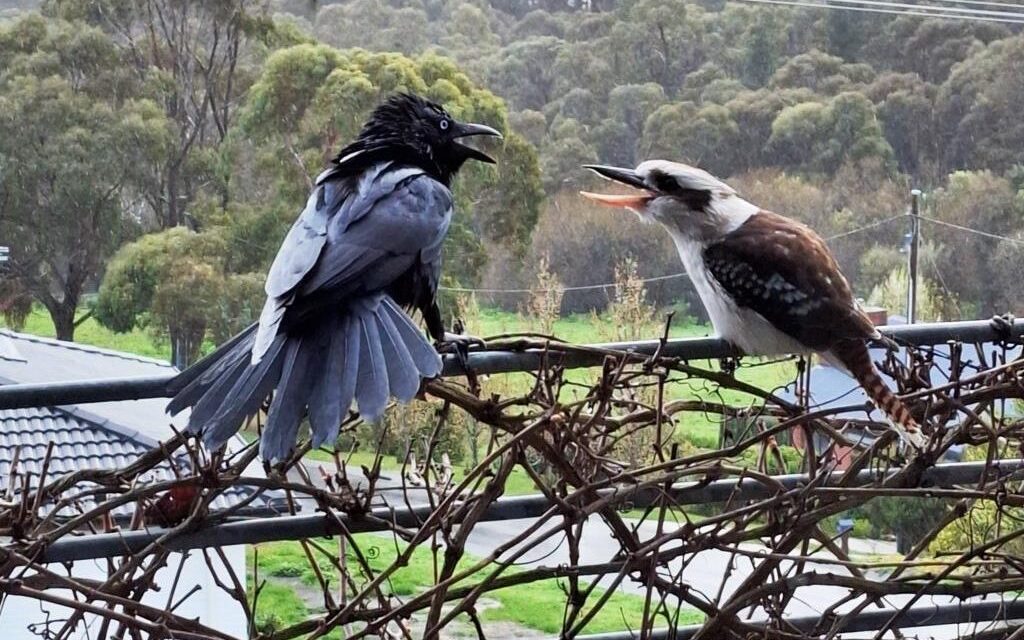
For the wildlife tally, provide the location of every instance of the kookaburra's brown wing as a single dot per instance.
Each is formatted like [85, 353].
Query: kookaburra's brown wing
[782, 270]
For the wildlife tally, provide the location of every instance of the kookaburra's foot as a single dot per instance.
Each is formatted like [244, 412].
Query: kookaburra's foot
[916, 440]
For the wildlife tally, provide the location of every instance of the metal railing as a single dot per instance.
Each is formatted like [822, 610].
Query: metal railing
[494, 361]
[18, 396]
[257, 530]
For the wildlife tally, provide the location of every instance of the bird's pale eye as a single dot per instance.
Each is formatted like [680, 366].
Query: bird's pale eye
[444, 124]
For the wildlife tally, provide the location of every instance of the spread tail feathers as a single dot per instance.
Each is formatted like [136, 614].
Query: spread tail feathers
[856, 358]
[368, 352]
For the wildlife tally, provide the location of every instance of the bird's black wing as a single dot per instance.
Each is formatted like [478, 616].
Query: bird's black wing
[782, 270]
[356, 235]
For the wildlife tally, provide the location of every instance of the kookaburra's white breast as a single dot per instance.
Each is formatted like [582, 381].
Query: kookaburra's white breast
[741, 326]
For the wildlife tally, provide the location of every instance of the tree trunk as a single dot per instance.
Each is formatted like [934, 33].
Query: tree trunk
[173, 218]
[63, 316]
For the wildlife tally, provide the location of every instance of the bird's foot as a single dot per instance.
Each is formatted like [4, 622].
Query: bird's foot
[459, 342]
[915, 440]
[729, 364]
[1003, 325]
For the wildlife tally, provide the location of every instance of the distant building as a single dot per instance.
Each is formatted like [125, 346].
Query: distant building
[106, 435]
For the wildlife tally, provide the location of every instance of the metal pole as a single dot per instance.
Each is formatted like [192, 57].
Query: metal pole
[256, 530]
[17, 396]
[915, 240]
[962, 613]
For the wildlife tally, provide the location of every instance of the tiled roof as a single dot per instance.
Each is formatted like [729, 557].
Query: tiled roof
[106, 435]
[79, 444]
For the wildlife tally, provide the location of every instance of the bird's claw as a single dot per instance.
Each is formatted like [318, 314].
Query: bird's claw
[915, 440]
[459, 341]
[1003, 325]
[458, 345]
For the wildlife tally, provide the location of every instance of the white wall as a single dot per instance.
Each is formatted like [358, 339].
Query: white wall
[210, 604]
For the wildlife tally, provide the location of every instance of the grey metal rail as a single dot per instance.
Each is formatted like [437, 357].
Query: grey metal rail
[18, 396]
[256, 530]
[975, 611]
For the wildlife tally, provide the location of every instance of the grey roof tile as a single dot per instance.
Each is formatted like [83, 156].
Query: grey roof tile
[107, 435]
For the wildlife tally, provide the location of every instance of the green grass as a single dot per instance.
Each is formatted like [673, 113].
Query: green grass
[92, 333]
[538, 605]
[278, 607]
[698, 429]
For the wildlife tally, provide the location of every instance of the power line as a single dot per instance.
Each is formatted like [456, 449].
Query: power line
[671, 276]
[978, 232]
[925, 13]
[867, 227]
[985, 3]
[925, 7]
[588, 287]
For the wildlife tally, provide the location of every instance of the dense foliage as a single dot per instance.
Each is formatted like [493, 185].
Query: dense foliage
[828, 116]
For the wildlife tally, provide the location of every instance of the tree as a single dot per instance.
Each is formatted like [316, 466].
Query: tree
[706, 136]
[173, 283]
[891, 293]
[192, 53]
[978, 105]
[821, 137]
[76, 142]
[984, 201]
[823, 73]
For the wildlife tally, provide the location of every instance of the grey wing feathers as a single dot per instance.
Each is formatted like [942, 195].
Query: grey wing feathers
[356, 361]
[335, 245]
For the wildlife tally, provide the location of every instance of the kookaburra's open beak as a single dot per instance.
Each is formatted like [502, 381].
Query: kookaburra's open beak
[627, 177]
[468, 129]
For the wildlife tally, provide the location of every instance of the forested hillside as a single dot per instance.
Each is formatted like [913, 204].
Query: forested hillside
[829, 116]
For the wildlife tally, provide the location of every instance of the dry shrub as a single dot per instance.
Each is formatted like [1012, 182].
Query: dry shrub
[632, 316]
[545, 301]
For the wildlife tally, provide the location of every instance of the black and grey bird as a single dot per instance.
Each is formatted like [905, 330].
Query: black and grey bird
[333, 330]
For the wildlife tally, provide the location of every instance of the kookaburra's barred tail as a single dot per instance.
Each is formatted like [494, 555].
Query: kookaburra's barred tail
[856, 358]
[367, 352]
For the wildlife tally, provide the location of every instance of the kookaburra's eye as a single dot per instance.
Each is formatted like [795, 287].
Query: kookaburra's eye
[444, 124]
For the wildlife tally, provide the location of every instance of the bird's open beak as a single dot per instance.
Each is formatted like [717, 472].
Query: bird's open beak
[627, 177]
[466, 130]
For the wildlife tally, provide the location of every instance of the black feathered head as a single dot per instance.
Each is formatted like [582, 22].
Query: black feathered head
[414, 130]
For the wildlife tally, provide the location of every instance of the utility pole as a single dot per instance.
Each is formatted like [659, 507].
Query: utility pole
[915, 240]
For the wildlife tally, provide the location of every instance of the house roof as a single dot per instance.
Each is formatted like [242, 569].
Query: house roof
[106, 435]
[27, 359]
[831, 387]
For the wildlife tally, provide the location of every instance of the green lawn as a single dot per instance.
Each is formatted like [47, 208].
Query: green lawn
[278, 607]
[90, 332]
[697, 429]
[538, 605]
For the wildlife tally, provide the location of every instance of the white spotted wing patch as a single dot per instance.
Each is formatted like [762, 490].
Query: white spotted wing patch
[751, 289]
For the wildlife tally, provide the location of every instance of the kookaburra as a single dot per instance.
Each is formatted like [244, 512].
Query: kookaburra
[769, 284]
